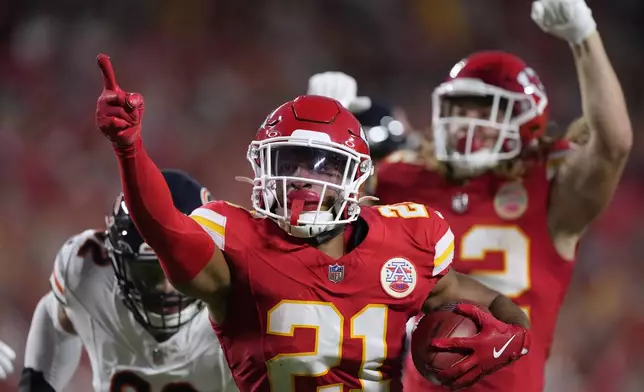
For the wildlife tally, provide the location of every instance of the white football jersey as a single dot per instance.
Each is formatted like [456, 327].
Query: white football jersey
[123, 355]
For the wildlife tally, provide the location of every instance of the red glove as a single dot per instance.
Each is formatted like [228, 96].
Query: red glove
[118, 114]
[496, 345]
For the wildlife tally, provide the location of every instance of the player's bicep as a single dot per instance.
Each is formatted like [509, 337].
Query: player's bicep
[211, 283]
[582, 187]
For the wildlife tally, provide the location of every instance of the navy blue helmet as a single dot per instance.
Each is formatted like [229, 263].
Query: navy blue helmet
[384, 133]
[146, 292]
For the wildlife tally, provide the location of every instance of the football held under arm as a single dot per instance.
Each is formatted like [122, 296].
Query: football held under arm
[455, 287]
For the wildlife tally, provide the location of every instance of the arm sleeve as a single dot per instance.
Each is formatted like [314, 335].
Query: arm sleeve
[183, 247]
[52, 354]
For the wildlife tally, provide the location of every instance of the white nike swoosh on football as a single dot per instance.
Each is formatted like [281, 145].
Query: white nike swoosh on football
[497, 354]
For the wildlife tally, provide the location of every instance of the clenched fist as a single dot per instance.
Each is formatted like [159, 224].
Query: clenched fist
[118, 114]
[341, 87]
[570, 20]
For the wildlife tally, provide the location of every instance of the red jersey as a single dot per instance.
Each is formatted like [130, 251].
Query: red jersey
[299, 320]
[502, 240]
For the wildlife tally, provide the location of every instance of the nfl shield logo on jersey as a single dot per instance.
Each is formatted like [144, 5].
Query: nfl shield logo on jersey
[398, 277]
[511, 201]
[460, 202]
[336, 273]
[158, 356]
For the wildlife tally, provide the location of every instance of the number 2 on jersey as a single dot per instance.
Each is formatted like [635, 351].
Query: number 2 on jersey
[369, 324]
[514, 279]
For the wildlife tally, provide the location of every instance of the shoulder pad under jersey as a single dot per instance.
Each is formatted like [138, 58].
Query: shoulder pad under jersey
[213, 217]
[76, 257]
[430, 229]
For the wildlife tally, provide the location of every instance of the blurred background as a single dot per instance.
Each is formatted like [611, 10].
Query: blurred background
[212, 70]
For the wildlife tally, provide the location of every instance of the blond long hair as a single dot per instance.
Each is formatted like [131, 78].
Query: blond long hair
[578, 131]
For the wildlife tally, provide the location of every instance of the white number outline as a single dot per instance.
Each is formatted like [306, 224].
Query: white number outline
[404, 210]
[370, 385]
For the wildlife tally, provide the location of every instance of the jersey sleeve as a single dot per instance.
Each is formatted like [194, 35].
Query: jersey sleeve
[212, 218]
[229, 225]
[70, 263]
[57, 277]
[441, 240]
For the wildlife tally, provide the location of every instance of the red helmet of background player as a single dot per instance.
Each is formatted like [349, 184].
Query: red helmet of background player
[309, 153]
[516, 110]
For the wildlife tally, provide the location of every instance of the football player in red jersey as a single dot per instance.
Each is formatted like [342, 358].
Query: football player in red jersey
[310, 292]
[518, 203]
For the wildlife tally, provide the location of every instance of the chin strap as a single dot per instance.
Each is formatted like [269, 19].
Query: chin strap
[365, 199]
[244, 179]
[296, 210]
[325, 236]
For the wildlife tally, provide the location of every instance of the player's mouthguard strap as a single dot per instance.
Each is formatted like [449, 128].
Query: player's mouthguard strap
[296, 210]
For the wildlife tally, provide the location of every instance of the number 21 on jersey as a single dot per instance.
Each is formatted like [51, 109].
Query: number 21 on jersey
[369, 324]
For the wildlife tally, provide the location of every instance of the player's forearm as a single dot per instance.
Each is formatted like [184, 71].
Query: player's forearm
[603, 101]
[183, 247]
[52, 355]
[470, 289]
[507, 311]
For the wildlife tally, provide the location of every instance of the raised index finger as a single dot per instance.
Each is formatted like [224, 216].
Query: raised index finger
[109, 79]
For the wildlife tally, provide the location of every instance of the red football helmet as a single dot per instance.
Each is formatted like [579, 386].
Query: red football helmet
[310, 157]
[516, 110]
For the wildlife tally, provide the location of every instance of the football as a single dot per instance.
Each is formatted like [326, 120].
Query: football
[442, 322]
